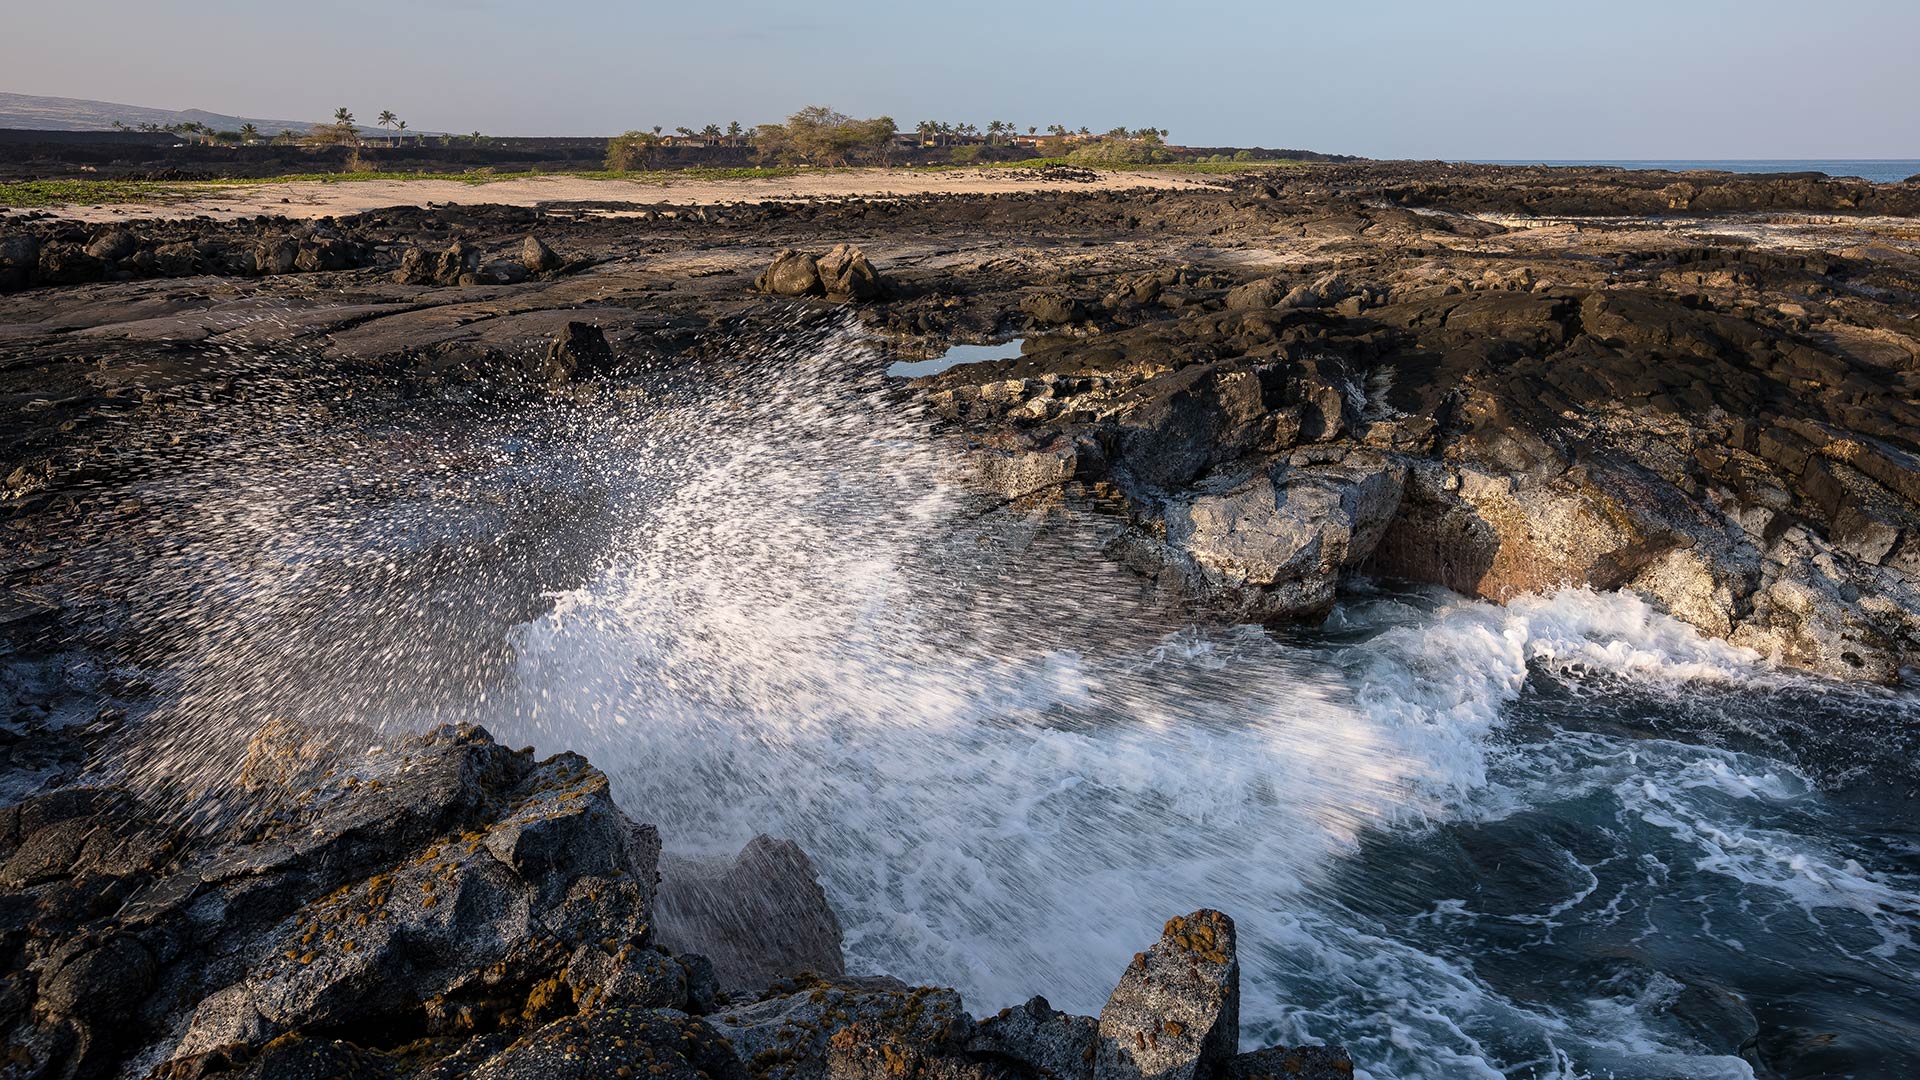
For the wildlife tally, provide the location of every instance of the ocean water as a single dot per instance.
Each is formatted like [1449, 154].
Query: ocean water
[1880, 171]
[1564, 838]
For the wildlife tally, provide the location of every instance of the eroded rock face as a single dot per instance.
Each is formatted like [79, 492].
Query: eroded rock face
[448, 908]
[1280, 539]
[1748, 475]
[845, 272]
[1176, 1013]
[449, 871]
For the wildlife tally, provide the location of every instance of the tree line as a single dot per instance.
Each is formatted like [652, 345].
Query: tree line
[820, 135]
[343, 131]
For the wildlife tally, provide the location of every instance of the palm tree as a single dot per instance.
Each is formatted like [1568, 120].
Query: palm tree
[734, 131]
[248, 133]
[927, 130]
[402, 124]
[386, 119]
[993, 132]
[343, 128]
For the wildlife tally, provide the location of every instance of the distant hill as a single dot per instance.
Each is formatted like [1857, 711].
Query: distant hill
[78, 114]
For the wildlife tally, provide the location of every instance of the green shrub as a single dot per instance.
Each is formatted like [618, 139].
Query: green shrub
[1116, 150]
[633, 151]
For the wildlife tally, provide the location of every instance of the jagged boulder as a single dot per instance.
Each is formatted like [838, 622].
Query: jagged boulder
[447, 870]
[846, 273]
[66, 264]
[19, 256]
[1279, 541]
[459, 264]
[279, 255]
[792, 273]
[793, 1032]
[1176, 1013]
[417, 267]
[1057, 1045]
[1288, 1063]
[538, 258]
[760, 918]
[843, 273]
[112, 245]
[1255, 295]
[579, 348]
[1175, 427]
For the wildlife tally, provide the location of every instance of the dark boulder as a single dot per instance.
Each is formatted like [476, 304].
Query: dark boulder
[1288, 1063]
[580, 348]
[417, 267]
[1172, 428]
[538, 258]
[279, 255]
[1053, 309]
[1057, 1045]
[792, 273]
[67, 264]
[112, 245]
[457, 265]
[616, 1043]
[19, 257]
[178, 259]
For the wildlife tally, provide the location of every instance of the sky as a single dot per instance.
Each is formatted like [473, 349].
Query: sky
[1491, 79]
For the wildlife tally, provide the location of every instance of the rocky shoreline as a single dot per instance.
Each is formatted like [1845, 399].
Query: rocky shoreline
[452, 908]
[1702, 389]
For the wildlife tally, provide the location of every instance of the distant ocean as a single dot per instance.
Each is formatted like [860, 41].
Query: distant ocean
[1883, 171]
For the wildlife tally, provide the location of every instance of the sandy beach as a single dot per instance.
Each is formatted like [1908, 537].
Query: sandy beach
[317, 198]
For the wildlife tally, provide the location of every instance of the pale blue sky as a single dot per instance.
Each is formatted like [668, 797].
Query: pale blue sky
[1386, 78]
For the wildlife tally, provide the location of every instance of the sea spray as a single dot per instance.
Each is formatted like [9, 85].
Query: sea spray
[753, 593]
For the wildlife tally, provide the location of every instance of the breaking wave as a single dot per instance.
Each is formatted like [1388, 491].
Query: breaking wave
[1568, 837]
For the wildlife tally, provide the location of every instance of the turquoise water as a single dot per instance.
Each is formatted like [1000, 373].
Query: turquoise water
[1881, 171]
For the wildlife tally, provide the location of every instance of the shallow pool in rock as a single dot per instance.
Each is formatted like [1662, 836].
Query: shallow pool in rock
[954, 357]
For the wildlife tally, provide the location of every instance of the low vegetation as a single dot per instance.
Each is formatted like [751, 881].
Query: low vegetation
[32, 194]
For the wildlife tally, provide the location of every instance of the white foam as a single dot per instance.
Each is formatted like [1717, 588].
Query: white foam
[1007, 765]
[1008, 784]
